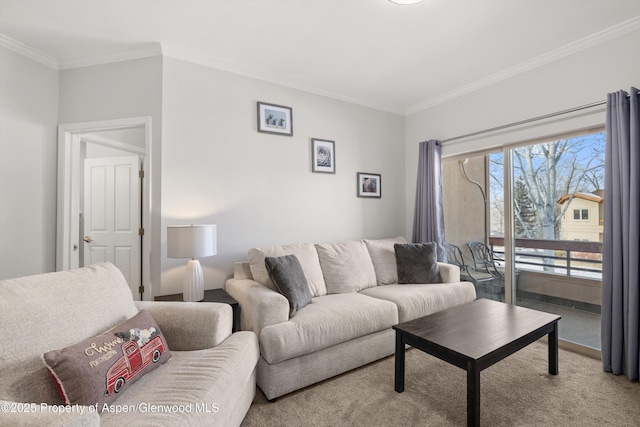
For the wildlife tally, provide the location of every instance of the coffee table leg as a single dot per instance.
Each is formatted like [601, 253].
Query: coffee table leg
[473, 395]
[553, 350]
[399, 380]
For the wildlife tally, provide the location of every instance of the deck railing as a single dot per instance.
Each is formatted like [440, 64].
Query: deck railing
[574, 257]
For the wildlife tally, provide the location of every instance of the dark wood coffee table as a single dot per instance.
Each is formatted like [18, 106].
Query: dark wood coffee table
[473, 337]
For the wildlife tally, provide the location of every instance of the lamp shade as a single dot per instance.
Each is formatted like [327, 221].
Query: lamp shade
[191, 241]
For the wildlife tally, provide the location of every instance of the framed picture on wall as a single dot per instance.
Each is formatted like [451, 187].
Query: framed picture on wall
[276, 119]
[369, 185]
[323, 156]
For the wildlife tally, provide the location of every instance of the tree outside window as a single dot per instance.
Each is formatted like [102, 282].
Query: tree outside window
[543, 173]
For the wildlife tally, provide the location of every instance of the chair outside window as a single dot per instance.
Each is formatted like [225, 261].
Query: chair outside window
[484, 282]
[484, 260]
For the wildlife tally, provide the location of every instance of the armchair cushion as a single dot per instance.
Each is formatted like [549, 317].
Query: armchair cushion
[42, 415]
[417, 263]
[95, 370]
[286, 273]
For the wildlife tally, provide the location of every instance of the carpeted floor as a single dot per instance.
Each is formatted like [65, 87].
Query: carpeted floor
[517, 391]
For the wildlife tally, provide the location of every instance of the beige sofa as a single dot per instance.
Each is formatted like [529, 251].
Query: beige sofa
[355, 302]
[210, 367]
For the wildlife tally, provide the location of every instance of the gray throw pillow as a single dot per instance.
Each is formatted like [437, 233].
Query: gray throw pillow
[287, 274]
[417, 263]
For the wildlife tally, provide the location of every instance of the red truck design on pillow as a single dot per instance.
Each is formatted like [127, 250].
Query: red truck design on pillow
[136, 357]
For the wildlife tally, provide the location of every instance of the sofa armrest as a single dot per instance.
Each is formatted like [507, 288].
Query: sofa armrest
[259, 306]
[191, 325]
[449, 273]
[37, 414]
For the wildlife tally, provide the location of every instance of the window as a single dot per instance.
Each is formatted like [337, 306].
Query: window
[581, 214]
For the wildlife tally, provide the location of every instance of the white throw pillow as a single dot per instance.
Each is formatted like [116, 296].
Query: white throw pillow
[383, 256]
[347, 266]
[306, 254]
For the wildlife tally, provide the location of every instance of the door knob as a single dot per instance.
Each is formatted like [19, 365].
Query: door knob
[87, 239]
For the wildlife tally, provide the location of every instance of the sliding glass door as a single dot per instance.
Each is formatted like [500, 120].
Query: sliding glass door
[553, 222]
[537, 209]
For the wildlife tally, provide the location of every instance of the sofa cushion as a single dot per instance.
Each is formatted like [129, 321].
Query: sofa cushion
[307, 255]
[86, 302]
[96, 370]
[417, 300]
[417, 263]
[287, 275]
[219, 380]
[383, 256]
[329, 320]
[347, 266]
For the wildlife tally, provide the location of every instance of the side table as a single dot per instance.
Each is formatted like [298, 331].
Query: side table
[212, 295]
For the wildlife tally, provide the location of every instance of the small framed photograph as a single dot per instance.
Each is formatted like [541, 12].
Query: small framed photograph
[275, 119]
[369, 185]
[323, 156]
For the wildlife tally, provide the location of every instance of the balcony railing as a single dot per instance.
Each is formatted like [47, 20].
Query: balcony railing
[563, 272]
[572, 258]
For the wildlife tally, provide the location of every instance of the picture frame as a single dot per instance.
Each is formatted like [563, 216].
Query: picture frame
[323, 156]
[275, 119]
[369, 185]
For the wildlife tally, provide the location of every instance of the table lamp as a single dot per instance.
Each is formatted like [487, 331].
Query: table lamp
[192, 241]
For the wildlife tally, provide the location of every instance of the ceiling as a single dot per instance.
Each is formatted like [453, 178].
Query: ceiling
[397, 58]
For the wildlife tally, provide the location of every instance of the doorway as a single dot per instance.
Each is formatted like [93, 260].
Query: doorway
[105, 143]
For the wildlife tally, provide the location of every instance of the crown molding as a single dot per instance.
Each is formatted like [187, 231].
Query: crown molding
[592, 40]
[158, 49]
[28, 51]
[246, 71]
[138, 52]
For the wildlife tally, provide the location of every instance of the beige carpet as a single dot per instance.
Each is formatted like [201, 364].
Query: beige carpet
[517, 391]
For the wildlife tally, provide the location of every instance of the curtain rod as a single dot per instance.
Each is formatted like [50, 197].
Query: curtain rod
[522, 122]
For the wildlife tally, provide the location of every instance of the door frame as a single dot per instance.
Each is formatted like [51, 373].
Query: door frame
[70, 137]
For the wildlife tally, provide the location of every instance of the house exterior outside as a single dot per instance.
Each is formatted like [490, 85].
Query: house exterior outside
[583, 218]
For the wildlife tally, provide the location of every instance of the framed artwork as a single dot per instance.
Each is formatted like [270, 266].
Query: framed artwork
[369, 185]
[276, 119]
[323, 156]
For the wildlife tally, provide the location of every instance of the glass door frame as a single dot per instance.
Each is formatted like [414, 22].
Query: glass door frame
[509, 229]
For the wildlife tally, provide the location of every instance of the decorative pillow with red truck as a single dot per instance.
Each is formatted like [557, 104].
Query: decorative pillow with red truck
[96, 371]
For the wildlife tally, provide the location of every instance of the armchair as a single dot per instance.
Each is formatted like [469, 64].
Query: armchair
[210, 366]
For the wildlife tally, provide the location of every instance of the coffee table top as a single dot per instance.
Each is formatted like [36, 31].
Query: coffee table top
[478, 328]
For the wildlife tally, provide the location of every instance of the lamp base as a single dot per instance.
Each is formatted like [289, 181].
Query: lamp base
[193, 285]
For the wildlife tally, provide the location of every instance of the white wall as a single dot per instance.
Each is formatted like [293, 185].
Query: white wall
[258, 188]
[582, 78]
[121, 90]
[28, 119]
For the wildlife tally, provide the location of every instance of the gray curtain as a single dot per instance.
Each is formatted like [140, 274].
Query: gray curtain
[621, 245]
[428, 218]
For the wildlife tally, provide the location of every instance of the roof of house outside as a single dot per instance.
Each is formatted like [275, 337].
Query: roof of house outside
[586, 196]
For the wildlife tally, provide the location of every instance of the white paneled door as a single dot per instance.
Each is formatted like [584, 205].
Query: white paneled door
[111, 213]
